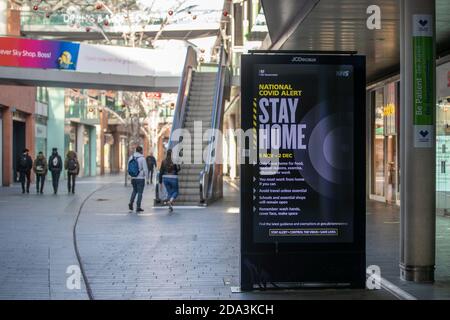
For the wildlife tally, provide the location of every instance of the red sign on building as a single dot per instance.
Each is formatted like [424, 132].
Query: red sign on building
[153, 95]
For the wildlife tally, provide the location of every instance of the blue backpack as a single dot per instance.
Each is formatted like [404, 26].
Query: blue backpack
[133, 167]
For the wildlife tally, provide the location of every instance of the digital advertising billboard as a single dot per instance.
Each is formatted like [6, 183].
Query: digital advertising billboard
[302, 196]
[42, 54]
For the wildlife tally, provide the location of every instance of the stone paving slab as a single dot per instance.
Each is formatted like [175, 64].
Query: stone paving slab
[190, 254]
[36, 240]
[383, 249]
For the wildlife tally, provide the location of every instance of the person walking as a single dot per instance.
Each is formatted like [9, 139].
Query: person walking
[24, 165]
[40, 169]
[151, 164]
[168, 174]
[137, 169]
[55, 166]
[72, 166]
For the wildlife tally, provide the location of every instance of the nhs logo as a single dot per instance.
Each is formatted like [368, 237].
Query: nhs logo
[343, 73]
[423, 25]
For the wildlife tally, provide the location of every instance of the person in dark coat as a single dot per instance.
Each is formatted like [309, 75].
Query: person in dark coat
[40, 169]
[72, 166]
[151, 164]
[168, 174]
[24, 165]
[55, 165]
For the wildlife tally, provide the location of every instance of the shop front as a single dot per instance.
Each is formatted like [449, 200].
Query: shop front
[443, 139]
[384, 142]
[41, 137]
[70, 137]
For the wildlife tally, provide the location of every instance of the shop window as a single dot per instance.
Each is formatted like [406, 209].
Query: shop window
[384, 176]
[378, 168]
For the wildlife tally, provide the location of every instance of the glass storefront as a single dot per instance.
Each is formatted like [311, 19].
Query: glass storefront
[384, 155]
[384, 165]
[41, 137]
[378, 145]
[70, 137]
[443, 139]
[82, 105]
[86, 152]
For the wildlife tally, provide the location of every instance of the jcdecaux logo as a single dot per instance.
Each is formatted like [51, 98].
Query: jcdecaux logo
[303, 59]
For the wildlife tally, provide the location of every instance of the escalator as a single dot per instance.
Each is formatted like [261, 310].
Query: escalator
[200, 107]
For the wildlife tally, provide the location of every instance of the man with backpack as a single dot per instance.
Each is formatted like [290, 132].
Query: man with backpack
[73, 168]
[151, 164]
[137, 169]
[55, 166]
[40, 169]
[24, 165]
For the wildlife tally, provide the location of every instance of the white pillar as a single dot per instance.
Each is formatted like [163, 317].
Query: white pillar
[80, 148]
[418, 140]
[232, 148]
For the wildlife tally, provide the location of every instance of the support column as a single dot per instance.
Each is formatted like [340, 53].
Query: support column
[146, 146]
[103, 129]
[30, 135]
[7, 115]
[55, 122]
[232, 148]
[30, 138]
[226, 153]
[93, 149]
[418, 140]
[80, 148]
[116, 152]
[7, 147]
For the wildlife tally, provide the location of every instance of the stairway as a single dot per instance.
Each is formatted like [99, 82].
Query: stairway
[199, 108]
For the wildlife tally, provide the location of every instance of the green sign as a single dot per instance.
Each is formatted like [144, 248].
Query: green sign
[423, 80]
[423, 69]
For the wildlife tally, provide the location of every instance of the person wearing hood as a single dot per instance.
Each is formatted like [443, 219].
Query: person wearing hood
[55, 166]
[40, 169]
[137, 168]
[24, 164]
[72, 166]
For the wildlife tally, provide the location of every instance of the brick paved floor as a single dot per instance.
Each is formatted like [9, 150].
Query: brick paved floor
[36, 241]
[383, 230]
[190, 254]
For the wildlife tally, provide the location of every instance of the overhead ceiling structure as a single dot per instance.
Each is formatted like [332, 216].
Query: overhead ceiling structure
[139, 21]
[70, 34]
[65, 79]
[341, 26]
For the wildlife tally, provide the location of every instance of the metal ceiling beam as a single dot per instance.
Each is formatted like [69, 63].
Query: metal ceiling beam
[68, 79]
[295, 21]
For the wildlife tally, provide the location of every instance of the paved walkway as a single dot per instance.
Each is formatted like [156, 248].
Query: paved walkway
[36, 244]
[189, 254]
[383, 247]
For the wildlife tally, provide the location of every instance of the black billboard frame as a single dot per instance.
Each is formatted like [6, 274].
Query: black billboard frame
[316, 264]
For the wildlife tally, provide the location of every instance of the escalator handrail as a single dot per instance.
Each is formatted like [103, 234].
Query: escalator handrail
[190, 65]
[207, 174]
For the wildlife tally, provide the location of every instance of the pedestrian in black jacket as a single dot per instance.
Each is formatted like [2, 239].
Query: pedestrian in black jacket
[55, 165]
[151, 164]
[24, 165]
